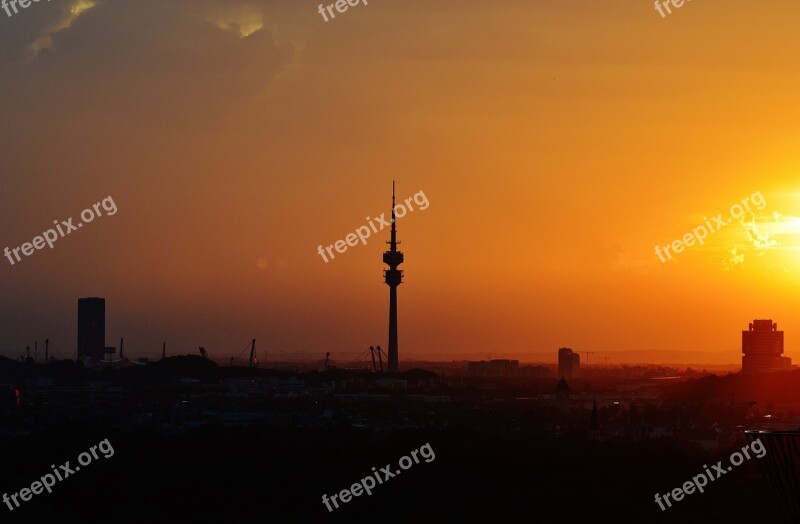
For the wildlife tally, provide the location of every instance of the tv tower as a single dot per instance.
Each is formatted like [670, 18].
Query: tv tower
[393, 277]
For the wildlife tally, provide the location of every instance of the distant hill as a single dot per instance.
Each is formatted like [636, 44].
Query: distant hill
[657, 356]
[682, 358]
[780, 388]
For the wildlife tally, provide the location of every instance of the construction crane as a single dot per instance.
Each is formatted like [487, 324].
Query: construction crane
[587, 353]
[380, 357]
[372, 354]
[253, 359]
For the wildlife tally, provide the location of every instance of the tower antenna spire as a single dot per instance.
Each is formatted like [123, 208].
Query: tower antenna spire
[394, 224]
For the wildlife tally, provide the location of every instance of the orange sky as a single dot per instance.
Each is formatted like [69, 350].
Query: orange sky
[557, 145]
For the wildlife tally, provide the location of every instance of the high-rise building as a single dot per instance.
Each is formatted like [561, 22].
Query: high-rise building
[569, 363]
[393, 277]
[762, 347]
[91, 328]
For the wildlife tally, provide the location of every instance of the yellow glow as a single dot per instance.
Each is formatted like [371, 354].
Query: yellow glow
[245, 20]
[789, 225]
[80, 7]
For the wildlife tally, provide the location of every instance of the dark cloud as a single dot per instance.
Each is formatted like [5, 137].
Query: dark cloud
[159, 62]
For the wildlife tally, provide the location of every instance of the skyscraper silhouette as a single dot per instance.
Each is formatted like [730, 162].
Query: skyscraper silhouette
[569, 363]
[393, 277]
[762, 347]
[91, 328]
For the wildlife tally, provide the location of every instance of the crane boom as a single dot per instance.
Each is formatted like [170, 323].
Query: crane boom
[252, 353]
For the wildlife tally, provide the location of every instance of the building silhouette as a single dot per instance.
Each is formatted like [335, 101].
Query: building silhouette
[762, 347]
[569, 363]
[393, 277]
[91, 328]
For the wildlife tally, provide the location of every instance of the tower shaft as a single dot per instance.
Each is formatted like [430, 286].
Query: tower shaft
[393, 329]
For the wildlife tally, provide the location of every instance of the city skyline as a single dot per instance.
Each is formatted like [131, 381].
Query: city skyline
[557, 201]
[759, 342]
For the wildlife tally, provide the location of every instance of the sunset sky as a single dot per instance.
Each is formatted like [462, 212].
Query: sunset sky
[557, 143]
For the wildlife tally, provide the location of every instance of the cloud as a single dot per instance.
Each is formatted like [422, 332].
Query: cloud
[759, 239]
[157, 62]
[45, 39]
[736, 260]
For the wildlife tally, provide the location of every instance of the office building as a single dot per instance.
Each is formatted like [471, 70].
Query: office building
[569, 363]
[762, 347]
[91, 328]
